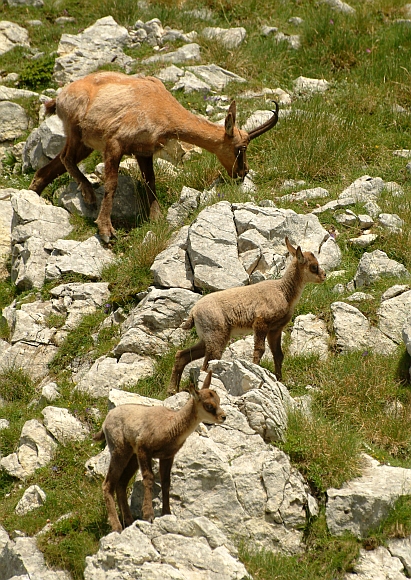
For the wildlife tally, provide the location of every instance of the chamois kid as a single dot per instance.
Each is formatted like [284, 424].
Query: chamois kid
[124, 115]
[262, 309]
[136, 434]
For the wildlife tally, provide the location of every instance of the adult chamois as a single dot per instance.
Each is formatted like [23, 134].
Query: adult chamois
[124, 115]
[262, 309]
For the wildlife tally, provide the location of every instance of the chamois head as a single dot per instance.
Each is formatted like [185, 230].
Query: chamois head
[207, 402]
[309, 264]
[233, 158]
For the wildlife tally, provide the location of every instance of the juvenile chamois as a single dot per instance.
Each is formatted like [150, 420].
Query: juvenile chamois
[136, 433]
[123, 115]
[263, 309]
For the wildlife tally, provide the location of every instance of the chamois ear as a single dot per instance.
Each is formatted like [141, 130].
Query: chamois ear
[290, 248]
[300, 256]
[193, 391]
[230, 120]
[207, 381]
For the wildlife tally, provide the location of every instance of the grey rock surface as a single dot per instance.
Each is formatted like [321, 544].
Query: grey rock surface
[33, 217]
[99, 44]
[13, 121]
[394, 313]
[186, 53]
[107, 372]
[375, 265]
[154, 323]
[63, 425]
[353, 331]
[33, 498]
[168, 549]
[361, 504]
[20, 559]
[377, 564]
[12, 35]
[212, 249]
[44, 143]
[36, 449]
[171, 267]
[309, 336]
[228, 37]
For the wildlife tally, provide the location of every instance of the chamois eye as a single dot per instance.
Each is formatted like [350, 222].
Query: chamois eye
[314, 269]
[209, 408]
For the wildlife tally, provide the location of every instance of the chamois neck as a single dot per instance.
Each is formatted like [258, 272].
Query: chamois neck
[200, 132]
[185, 420]
[292, 283]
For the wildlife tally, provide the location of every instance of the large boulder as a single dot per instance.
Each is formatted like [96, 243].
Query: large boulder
[361, 504]
[168, 549]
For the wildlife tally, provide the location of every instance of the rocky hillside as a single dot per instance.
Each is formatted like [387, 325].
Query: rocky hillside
[232, 484]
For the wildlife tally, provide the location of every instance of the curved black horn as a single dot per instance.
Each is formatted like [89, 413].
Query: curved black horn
[265, 126]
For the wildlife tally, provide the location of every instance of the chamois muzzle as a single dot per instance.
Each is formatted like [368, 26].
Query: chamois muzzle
[267, 125]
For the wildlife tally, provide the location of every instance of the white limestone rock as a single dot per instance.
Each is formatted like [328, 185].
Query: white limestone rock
[215, 76]
[185, 53]
[33, 498]
[63, 425]
[393, 314]
[309, 336]
[13, 120]
[12, 35]
[354, 332]
[171, 267]
[362, 503]
[85, 52]
[107, 372]
[168, 549]
[363, 189]
[228, 37]
[375, 265]
[36, 449]
[155, 322]
[212, 249]
[44, 143]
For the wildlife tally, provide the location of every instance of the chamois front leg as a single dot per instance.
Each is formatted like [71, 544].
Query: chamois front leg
[144, 460]
[274, 342]
[112, 158]
[165, 476]
[121, 490]
[149, 179]
[70, 156]
[260, 329]
[183, 357]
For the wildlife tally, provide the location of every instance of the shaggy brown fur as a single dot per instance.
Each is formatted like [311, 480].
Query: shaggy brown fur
[263, 308]
[122, 115]
[136, 433]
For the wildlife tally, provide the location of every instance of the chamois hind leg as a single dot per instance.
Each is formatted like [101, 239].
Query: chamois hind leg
[112, 158]
[165, 475]
[260, 329]
[274, 342]
[69, 156]
[118, 463]
[215, 344]
[183, 357]
[149, 179]
[144, 461]
[121, 490]
[48, 173]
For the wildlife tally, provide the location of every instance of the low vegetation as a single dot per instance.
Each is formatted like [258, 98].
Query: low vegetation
[361, 402]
